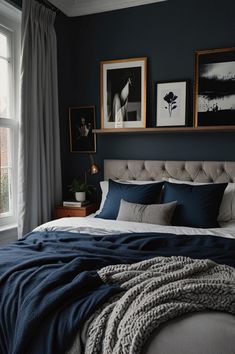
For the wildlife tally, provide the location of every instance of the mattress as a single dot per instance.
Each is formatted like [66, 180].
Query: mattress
[195, 333]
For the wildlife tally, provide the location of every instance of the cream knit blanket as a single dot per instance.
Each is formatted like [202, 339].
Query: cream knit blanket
[155, 291]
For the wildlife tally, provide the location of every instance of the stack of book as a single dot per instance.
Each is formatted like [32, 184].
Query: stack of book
[74, 203]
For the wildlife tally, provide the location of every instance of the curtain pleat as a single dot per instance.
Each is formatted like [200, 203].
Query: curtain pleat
[39, 150]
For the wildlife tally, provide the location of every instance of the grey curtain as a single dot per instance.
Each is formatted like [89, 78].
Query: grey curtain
[39, 146]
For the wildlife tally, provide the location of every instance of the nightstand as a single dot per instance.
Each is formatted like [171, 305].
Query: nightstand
[64, 212]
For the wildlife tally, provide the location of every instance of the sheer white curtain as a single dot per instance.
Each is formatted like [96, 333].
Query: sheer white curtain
[39, 152]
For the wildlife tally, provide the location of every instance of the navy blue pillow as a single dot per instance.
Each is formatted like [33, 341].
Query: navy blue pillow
[133, 193]
[198, 206]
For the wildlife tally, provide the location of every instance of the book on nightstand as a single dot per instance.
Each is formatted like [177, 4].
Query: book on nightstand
[75, 204]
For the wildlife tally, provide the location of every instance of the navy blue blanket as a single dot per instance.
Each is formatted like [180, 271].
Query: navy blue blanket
[49, 283]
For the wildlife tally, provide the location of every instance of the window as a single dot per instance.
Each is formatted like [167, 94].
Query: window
[9, 110]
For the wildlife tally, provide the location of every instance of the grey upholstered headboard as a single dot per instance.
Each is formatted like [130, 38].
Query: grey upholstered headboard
[197, 171]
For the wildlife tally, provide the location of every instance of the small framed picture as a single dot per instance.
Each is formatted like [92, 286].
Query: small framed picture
[214, 93]
[123, 93]
[171, 104]
[81, 124]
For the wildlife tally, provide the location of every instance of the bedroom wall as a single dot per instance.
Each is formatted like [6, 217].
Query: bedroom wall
[167, 33]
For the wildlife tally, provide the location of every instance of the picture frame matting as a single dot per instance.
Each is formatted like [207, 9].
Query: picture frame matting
[172, 103]
[123, 93]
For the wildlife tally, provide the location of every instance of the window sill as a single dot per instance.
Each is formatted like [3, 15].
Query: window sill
[8, 233]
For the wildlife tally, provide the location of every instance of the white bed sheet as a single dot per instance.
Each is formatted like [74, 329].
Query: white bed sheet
[99, 226]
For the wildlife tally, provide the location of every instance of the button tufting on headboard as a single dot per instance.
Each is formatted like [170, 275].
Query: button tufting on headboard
[198, 171]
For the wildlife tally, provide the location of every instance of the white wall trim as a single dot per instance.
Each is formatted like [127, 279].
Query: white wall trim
[8, 234]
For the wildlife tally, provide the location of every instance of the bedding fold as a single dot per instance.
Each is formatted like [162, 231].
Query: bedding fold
[50, 284]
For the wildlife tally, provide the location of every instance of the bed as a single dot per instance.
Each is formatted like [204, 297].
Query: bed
[70, 299]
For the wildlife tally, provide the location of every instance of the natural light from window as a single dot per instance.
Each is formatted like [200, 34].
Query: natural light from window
[5, 139]
[9, 111]
[4, 75]
[6, 168]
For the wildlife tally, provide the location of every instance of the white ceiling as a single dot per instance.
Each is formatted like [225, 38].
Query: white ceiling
[85, 7]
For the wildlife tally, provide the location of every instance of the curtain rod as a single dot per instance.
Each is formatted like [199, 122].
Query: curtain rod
[49, 5]
[46, 3]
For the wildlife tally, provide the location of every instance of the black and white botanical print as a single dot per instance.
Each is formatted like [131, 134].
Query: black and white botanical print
[171, 104]
[171, 99]
[216, 89]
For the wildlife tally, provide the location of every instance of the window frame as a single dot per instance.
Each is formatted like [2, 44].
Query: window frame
[10, 24]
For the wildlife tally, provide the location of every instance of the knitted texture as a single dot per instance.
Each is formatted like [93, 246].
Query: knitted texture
[155, 291]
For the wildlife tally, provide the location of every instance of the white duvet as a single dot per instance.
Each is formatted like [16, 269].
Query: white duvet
[99, 226]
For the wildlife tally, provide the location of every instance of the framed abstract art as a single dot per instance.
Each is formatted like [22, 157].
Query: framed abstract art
[123, 93]
[214, 93]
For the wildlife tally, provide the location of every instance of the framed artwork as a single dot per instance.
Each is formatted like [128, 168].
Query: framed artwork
[123, 93]
[81, 123]
[171, 104]
[214, 93]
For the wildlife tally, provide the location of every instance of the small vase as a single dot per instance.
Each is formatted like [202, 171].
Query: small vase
[80, 196]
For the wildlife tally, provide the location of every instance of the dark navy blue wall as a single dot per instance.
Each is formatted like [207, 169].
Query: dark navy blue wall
[167, 33]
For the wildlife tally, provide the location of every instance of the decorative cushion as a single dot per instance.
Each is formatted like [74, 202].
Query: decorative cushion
[198, 206]
[160, 214]
[228, 200]
[104, 185]
[142, 194]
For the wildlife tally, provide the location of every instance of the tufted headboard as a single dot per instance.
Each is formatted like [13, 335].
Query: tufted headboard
[197, 171]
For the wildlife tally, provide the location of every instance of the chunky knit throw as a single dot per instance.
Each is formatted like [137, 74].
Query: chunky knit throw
[155, 291]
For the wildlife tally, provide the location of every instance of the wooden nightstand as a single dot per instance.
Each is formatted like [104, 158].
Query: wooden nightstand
[64, 212]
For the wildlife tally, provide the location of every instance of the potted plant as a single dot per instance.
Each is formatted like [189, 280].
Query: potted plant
[80, 189]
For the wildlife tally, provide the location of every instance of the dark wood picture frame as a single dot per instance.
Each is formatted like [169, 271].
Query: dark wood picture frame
[214, 88]
[81, 124]
[171, 101]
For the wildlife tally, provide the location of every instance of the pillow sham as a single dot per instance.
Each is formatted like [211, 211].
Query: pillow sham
[104, 185]
[134, 193]
[160, 214]
[198, 206]
[228, 200]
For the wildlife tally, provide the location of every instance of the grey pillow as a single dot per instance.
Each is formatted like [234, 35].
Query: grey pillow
[160, 214]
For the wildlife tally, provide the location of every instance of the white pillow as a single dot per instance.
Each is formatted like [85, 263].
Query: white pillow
[227, 207]
[104, 185]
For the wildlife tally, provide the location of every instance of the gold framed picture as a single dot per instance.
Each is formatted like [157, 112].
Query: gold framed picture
[81, 125]
[123, 93]
[214, 91]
